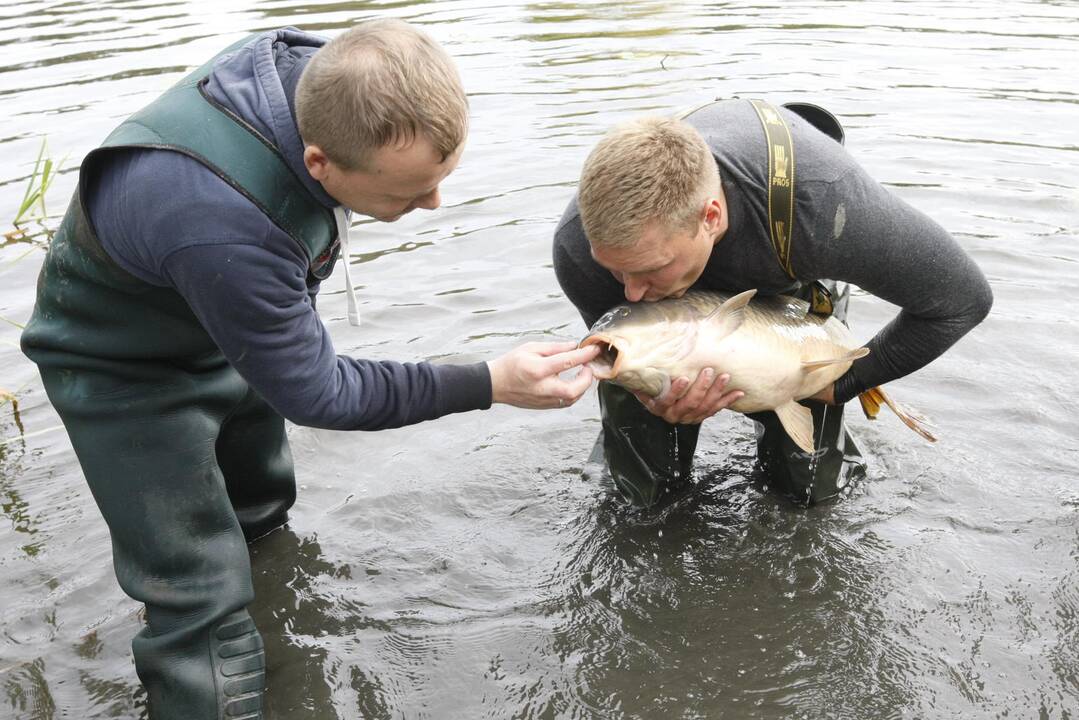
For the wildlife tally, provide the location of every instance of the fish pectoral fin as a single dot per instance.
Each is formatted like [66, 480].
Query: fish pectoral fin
[872, 399]
[732, 313]
[797, 420]
[849, 357]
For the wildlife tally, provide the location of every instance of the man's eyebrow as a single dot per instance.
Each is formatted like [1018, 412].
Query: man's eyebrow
[635, 272]
[652, 269]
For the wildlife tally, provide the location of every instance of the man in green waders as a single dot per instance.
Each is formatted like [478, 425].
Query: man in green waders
[175, 326]
[741, 195]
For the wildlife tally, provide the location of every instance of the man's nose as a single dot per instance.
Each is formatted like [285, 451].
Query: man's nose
[635, 289]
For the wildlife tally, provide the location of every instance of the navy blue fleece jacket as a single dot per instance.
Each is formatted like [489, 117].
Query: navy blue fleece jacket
[171, 222]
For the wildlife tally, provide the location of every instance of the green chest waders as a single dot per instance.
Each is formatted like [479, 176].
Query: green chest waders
[184, 460]
[648, 458]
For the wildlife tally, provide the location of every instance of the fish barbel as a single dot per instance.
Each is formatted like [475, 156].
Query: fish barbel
[774, 350]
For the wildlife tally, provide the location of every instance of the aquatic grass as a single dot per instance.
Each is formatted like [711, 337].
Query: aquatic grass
[6, 396]
[32, 206]
[9, 397]
[12, 322]
[20, 257]
[27, 436]
[44, 173]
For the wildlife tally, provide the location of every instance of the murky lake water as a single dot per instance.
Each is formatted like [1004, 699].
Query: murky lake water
[469, 567]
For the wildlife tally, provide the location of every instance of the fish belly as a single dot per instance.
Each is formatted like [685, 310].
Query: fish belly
[764, 367]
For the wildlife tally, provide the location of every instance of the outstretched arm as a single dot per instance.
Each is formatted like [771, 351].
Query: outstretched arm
[876, 241]
[528, 377]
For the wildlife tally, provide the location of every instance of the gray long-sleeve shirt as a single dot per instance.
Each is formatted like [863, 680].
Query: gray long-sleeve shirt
[848, 227]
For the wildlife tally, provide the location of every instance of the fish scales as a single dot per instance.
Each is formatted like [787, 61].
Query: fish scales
[774, 350]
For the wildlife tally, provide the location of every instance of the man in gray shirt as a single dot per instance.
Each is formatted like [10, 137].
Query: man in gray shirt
[665, 205]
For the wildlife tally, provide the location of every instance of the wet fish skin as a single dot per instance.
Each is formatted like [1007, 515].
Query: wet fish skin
[774, 350]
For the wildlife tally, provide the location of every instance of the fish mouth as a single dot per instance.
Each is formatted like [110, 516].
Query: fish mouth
[609, 360]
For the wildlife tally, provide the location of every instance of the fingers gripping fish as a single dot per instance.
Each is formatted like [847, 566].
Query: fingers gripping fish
[773, 349]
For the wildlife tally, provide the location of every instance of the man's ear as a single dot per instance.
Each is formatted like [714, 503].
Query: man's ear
[316, 162]
[712, 215]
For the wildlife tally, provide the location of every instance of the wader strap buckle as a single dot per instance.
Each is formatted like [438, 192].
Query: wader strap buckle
[820, 299]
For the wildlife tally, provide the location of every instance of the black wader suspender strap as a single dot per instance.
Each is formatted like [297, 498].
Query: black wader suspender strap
[781, 197]
[780, 181]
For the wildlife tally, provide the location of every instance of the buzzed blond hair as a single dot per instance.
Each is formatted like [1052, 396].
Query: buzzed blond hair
[381, 82]
[649, 169]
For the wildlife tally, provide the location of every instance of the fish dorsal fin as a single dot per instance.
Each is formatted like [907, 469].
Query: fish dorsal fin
[849, 357]
[732, 313]
[797, 420]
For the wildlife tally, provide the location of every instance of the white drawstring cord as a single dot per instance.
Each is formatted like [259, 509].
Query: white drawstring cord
[350, 290]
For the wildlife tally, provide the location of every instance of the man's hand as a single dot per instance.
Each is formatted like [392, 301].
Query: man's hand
[691, 404]
[527, 377]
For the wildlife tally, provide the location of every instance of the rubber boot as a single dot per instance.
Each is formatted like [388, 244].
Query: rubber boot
[809, 478]
[145, 435]
[648, 458]
[253, 453]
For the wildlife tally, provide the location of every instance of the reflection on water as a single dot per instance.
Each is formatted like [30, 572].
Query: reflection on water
[287, 570]
[474, 567]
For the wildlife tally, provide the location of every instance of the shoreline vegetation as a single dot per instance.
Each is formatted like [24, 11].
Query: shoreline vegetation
[32, 209]
[30, 226]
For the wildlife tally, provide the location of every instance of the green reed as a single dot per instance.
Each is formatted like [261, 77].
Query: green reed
[32, 206]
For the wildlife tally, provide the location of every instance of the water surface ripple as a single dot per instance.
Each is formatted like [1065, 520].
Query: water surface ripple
[475, 567]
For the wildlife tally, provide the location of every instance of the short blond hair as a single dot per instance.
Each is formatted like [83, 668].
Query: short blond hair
[381, 82]
[649, 169]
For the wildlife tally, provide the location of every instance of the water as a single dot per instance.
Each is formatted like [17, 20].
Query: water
[470, 567]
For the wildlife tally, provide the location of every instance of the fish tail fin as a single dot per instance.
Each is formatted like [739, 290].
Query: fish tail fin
[872, 399]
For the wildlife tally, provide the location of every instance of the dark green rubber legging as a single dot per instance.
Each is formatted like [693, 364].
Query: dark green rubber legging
[649, 458]
[185, 465]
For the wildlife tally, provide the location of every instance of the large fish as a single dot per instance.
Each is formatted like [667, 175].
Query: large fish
[773, 348]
